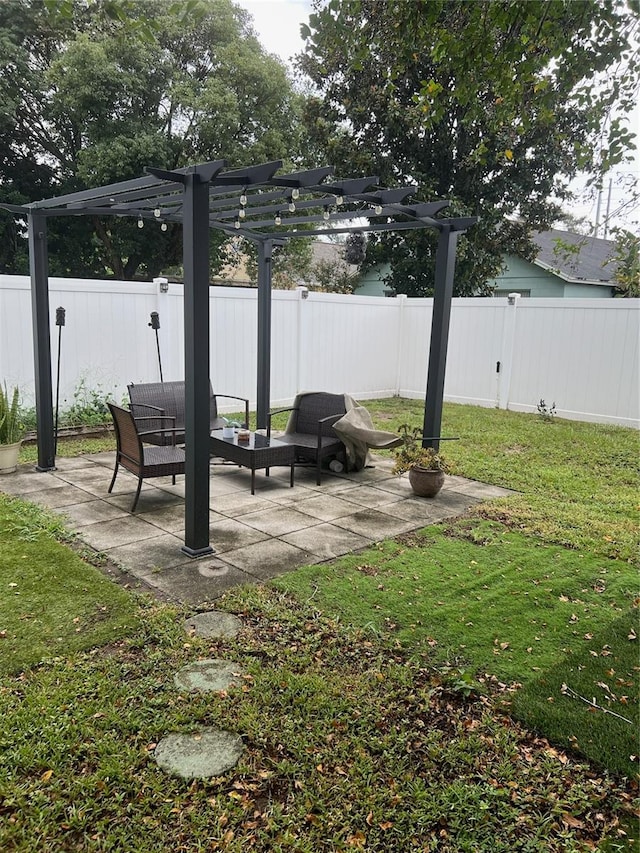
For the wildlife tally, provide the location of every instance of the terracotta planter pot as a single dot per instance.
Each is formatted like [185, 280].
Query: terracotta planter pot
[9, 457]
[425, 482]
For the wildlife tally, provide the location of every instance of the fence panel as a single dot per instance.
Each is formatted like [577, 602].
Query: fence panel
[581, 354]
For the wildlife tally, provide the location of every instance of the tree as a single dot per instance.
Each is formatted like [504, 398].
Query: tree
[493, 105]
[92, 92]
[627, 260]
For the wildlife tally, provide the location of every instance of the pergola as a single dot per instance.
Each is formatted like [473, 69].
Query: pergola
[266, 208]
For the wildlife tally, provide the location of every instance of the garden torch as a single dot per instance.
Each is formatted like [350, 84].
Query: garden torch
[155, 325]
[60, 320]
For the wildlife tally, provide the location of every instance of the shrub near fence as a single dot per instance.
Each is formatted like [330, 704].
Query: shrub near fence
[582, 354]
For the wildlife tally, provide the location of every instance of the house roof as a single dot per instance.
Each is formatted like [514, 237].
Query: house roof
[575, 257]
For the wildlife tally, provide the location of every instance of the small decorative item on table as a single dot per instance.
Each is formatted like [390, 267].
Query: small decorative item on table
[244, 436]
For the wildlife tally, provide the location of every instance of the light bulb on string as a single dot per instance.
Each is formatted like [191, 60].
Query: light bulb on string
[295, 193]
[236, 223]
[156, 213]
[243, 199]
[140, 222]
[339, 200]
[278, 219]
[292, 207]
[325, 215]
[242, 213]
[164, 226]
[378, 209]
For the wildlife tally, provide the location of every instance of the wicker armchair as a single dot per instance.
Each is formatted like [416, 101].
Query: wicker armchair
[167, 399]
[144, 462]
[310, 427]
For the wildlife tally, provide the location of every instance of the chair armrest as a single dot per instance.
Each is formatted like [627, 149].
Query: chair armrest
[323, 421]
[278, 412]
[241, 399]
[146, 406]
[156, 417]
[158, 432]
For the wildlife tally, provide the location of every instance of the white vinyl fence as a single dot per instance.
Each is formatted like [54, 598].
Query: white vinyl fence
[581, 354]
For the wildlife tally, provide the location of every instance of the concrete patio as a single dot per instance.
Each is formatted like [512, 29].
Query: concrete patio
[255, 537]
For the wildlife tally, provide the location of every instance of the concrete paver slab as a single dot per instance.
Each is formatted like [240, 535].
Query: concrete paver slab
[61, 497]
[269, 558]
[237, 504]
[276, 522]
[368, 496]
[144, 557]
[91, 512]
[327, 541]
[419, 511]
[111, 534]
[374, 525]
[481, 490]
[207, 676]
[212, 623]
[201, 755]
[151, 499]
[199, 582]
[228, 535]
[28, 480]
[325, 507]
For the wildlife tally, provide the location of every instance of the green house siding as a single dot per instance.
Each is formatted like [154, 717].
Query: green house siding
[372, 281]
[521, 276]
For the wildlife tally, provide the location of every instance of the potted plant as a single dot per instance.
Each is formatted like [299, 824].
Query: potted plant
[425, 465]
[11, 430]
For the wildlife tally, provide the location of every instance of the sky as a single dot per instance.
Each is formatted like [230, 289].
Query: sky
[277, 23]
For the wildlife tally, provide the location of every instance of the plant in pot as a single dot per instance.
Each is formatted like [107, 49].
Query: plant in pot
[11, 429]
[425, 465]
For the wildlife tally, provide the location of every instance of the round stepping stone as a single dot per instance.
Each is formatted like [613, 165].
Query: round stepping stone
[207, 753]
[215, 623]
[204, 676]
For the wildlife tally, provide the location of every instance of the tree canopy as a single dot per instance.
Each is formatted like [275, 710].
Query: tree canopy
[92, 92]
[494, 104]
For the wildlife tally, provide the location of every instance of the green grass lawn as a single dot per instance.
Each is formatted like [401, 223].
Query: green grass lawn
[53, 603]
[349, 745]
[385, 695]
[524, 583]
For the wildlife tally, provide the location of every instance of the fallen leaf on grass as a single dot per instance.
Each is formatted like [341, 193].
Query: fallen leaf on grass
[632, 635]
[573, 822]
[46, 775]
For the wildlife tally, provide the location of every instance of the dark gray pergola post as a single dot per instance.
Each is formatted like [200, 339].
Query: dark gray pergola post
[39, 269]
[196, 363]
[263, 397]
[443, 291]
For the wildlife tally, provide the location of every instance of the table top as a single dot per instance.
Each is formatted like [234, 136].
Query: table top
[256, 441]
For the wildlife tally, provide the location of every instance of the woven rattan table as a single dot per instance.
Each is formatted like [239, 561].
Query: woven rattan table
[259, 452]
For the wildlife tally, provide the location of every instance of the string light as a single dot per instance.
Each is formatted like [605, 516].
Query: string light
[378, 209]
[156, 213]
[236, 224]
[164, 226]
[339, 200]
[278, 219]
[243, 198]
[140, 222]
[242, 213]
[325, 215]
[292, 207]
[295, 193]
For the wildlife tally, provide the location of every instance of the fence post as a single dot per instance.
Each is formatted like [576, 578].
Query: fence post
[505, 365]
[303, 293]
[401, 303]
